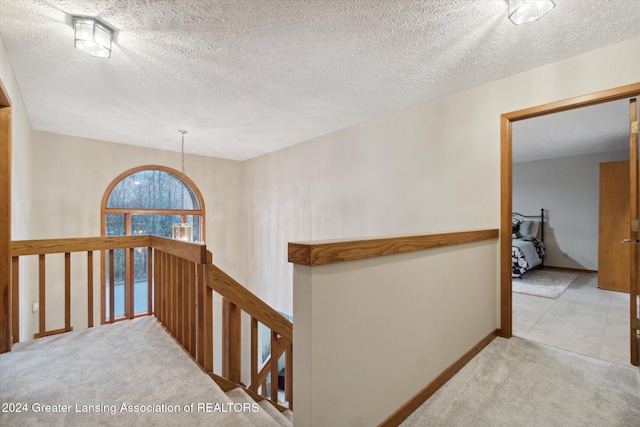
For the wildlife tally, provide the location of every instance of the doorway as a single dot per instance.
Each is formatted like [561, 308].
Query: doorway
[507, 181]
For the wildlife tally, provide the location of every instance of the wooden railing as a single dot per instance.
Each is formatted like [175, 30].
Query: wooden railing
[237, 299]
[331, 251]
[181, 284]
[41, 248]
[183, 302]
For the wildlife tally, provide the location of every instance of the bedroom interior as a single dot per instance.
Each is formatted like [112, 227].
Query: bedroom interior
[564, 297]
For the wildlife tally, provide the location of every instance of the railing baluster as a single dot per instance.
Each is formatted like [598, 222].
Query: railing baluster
[231, 341]
[156, 282]
[112, 282]
[274, 366]
[163, 286]
[186, 321]
[174, 295]
[288, 375]
[103, 287]
[158, 285]
[149, 281]
[167, 291]
[225, 338]
[90, 289]
[200, 337]
[42, 295]
[192, 308]
[208, 325]
[179, 300]
[67, 291]
[129, 284]
[254, 354]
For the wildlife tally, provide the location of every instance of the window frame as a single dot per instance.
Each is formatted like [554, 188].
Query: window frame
[128, 213]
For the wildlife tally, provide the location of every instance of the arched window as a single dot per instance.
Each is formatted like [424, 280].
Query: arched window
[143, 200]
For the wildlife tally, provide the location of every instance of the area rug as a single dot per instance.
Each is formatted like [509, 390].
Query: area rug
[543, 283]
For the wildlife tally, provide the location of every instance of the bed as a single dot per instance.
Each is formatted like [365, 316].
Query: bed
[527, 242]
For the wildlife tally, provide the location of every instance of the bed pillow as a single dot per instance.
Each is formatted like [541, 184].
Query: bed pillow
[528, 229]
[515, 227]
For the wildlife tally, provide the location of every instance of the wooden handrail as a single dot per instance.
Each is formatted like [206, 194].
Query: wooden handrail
[331, 251]
[227, 287]
[81, 244]
[194, 252]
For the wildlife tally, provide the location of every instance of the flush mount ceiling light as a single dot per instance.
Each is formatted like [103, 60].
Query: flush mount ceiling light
[523, 11]
[92, 37]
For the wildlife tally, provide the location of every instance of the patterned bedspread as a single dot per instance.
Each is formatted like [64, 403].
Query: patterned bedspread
[521, 263]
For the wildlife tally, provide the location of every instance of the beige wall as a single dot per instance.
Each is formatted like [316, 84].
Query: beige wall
[434, 167]
[369, 334]
[22, 142]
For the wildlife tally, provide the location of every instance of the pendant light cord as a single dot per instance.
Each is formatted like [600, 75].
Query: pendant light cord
[182, 219]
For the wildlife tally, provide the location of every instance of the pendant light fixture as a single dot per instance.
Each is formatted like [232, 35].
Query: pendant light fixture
[182, 230]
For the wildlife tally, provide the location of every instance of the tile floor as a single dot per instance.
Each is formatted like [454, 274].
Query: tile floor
[584, 319]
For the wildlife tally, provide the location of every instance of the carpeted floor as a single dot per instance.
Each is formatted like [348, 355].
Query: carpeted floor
[132, 363]
[510, 383]
[521, 383]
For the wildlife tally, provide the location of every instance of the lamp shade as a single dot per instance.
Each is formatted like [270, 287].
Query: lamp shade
[523, 11]
[92, 37]
[182, 232]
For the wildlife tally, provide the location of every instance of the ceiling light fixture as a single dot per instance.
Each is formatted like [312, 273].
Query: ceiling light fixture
[182, 231]
[92, 37]
[523, 11]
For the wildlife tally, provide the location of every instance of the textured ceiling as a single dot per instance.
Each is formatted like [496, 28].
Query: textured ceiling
[594, 129]
[246, 77]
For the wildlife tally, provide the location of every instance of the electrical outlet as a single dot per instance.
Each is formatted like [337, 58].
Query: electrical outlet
[35, 307]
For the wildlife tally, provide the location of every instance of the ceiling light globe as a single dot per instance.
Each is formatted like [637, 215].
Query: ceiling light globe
[92, 37]
[524, 11]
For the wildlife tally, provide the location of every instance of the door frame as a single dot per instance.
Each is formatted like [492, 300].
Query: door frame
[7, 316]
[506, 178]
[634, 204]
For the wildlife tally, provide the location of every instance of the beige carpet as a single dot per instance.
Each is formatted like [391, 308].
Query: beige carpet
[521, 383]
[510, 383]
[132, 363]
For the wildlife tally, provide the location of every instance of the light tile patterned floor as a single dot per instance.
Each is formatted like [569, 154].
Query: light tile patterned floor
[584, 319]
